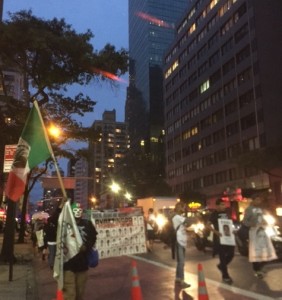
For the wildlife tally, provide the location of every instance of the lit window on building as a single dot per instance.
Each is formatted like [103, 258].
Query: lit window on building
[204, 86]
[8, 121]
[154, 139]
[175, 65]
[192, 28]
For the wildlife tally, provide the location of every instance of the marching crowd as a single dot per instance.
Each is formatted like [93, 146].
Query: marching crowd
[44, 236]
[253, 229]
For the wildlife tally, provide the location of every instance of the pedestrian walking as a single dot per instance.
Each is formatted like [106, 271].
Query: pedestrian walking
[75, 269]
[150, 226]
[37, 237]
[260, 245]
[50, 234]
[179, 224]
[225, 252]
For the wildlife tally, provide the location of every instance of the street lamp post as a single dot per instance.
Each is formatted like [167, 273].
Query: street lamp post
[115, 188]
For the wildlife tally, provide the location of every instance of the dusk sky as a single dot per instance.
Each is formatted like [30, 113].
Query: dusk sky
[108, 21]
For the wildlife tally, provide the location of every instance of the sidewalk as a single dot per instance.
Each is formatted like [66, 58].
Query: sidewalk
[22, 286]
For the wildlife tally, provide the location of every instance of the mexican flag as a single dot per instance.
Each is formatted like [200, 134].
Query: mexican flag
[32, 149]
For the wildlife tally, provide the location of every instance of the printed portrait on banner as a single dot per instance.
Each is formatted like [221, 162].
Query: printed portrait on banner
[225, 227]
[261, 247]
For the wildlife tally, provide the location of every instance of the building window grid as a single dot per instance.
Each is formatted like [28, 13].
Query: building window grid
[198, 180]
[221, 11]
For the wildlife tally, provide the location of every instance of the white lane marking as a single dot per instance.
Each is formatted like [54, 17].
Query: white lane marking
[210, 281]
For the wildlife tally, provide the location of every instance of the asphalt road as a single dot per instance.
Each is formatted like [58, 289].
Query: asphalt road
[240, 270]
[112, 278]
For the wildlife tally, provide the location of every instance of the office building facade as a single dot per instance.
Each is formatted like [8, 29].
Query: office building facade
[81, 194]
[151, 30]
[222, 89]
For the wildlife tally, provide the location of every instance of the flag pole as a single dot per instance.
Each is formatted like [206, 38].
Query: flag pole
[51, 151]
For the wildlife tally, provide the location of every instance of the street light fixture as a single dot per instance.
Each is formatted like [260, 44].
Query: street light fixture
[115, 188]
[54, 131]
[93, 201]
[128, 196]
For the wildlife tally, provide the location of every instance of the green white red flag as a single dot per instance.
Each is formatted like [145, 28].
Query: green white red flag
[33, 148]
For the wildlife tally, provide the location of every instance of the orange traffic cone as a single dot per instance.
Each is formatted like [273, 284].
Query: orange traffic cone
[60, 295]
[135, 289]
[202, 289]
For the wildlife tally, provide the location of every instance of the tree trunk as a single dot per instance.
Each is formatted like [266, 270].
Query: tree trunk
[7, 252]
[23, 214]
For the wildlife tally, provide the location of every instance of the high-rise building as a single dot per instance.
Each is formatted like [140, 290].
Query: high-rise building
[151, 30]
[107, 152]
[81, 194]
[222, 95]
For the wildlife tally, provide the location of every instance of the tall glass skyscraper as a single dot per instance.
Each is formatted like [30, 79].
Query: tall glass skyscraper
[151, 30]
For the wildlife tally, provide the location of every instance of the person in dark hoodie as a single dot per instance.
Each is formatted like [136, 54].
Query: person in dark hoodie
[75, 269]
[50, 234]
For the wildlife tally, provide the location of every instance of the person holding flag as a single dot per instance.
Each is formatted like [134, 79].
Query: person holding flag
[75, 238]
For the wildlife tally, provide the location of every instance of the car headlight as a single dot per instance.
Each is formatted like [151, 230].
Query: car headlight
[270, 220]
[161, 221]
[198, 227]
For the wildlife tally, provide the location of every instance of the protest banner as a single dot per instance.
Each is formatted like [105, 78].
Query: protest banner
[120, 232]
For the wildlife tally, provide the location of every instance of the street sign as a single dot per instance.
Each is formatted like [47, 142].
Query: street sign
[9, 154]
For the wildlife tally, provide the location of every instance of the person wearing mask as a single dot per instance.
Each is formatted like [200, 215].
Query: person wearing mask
[75, 269]
[179, 224]
[225, 252]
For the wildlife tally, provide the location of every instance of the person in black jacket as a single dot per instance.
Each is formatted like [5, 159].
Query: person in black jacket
[225, 252]
[75, 269]
[50, 235]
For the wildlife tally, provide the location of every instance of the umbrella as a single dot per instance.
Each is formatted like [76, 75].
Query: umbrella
[40, 215]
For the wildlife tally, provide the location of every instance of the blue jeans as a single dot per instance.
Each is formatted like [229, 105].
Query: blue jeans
[180, 258]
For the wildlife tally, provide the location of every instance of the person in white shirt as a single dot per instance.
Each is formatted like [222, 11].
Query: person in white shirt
[180, 224]
[150, 223]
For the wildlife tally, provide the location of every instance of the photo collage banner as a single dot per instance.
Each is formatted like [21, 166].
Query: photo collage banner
[120, 232]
